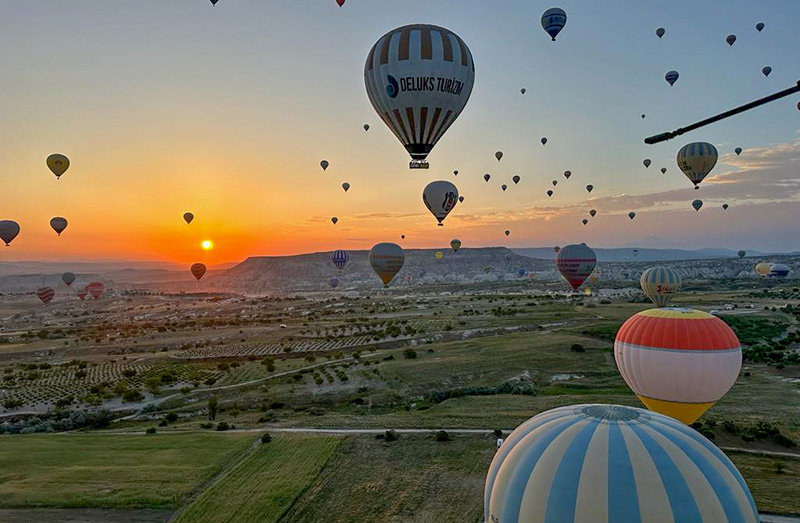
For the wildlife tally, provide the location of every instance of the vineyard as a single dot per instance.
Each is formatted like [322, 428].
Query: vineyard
[266, 349]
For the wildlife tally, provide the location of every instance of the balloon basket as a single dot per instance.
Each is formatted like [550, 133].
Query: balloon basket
[418, 164]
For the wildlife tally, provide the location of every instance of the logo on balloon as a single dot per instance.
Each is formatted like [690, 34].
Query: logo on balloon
[392, 89]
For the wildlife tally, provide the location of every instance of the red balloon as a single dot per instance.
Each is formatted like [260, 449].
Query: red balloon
[96, 289]
[45, 294]
[198, 270]
[340, 2]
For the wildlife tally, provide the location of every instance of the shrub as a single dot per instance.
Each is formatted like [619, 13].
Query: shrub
[172, 417]
[498, 433]
[410, 354]
[163, 423]
[390, 435]
[577, 347]
[151, 430]
[132, 396]
[265, 438]
[221, 426]
[442, 435]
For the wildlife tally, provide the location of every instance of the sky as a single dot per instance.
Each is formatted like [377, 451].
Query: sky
[171, 106]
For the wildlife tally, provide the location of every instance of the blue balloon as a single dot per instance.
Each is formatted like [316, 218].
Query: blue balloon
[340, 259]
[521, 272]
[671, 77]
[553, 21]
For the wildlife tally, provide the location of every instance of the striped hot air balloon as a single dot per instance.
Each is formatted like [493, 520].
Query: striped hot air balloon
[696, 160]
[553, 21]
[575, 263]
[592, 463]
[45, 294]
[778, 270]
[386, 260]
[660, 284]
[198, 270]
[419, 79]
[679, 362]
[96, 289]
[340, 259]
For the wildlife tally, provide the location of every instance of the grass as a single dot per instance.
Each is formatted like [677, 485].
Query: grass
[774, 492]
[109, 471]
[265, 484]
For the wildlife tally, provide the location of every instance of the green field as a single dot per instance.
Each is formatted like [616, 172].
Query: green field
[265, 484]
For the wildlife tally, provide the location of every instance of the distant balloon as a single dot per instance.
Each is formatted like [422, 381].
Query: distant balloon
[553, 21]
[198, 270]
[647, 163]
[95, 289]
[762, 268]
[697, 204]
[556, 249]
[486, 177]
[741, 254]
[340, 258]
[58, 224]
[567, 174]
[498, 155]
[214, 2]
[554, 182]
[45, 294]
[575, 263]
[663, 170]
[521, 272]
[439, 255]
[585, 221]
[549, 193]
[759, 26]
[455, 244]
[631, 215]
[589, 188]
[402, 236]
[366, 127]
[460, 198]
[725, 206]
[58, 164]
[9, 230]
[504, 187]
[738, 151]
[79, 287]
[334, 282]
[543, 140]
[386, 260]
[592, 213]
[516, 179]
[346, 186]
[68, 278]
[440, 197]
[778, 270]
[730, 39]
[635, 252]
[660, 284]
[188, 217]
[507, 232]
[455, 173]
[334, 219]
[523, 90]
[643, 115]
[401, 76]
[324, 164]
[660, 32]
[340, 3]
[766, 70]
[671, 77]
[696, 160]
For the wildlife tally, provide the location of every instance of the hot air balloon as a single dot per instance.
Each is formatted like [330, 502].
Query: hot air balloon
[730, 39]
[334, 219]
[663, 170]
[590, 463]
[214, 2]
[696, 160]
[738, 151]
[439, 255]
[556, 249]
[324, 164]
[188, 217]
[660, 284]
[521, 272]
[523, 90]
[589, 188]
[515, 179]
[440, 197]
[635, 252]
[419, 79]
[58, 164]
[45, 294]
[660, 32]
[575, 263]
[198, 270]
[9, 230]
[340, 3]
[584, 221]
[455, 244]
[549, 193]
[762, 268]
[679, 362]
[697, 204]
[725, 206]
[778, 270]
[643, 115]
[671, 77]
[553, 21]
[346, 186]
[507, 232]
[592, 213]
[95, 289]
[631, 215]
[486, 177]
[498, 155]
[554, 182]
[333, 282]
[58, 224]
[340, 259]
[567, 174]
[366, 127]
[504, 187]
[646, 163]
[766, 70]
[402, 236]
[460, 199]
[455, 173]
[741, 254]
[759, 26]
[79, 287]
[386, 260]
[543, 140]
[68, 278]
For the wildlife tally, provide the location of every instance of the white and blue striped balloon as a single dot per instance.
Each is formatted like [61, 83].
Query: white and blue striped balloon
[609, 463]
[340, 259]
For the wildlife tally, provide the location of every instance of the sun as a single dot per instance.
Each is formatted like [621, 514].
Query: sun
[208, 245]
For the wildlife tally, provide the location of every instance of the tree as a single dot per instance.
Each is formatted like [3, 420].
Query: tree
[265, 438]
[213, 406]
[172, 417]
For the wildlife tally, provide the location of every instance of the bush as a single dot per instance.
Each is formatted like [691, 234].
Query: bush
[172, 417]
[163, 423]
[132, 396]
[410, 354]
[265, 438]
[221, 426]
[151, 430]
[390, 435]
[442, 435]
[498, 433]
[577, 347]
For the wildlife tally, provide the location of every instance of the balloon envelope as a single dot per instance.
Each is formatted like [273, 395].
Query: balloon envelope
[198, 270]
[759, 26]
[334, 282]
[741, 254]
[778, 270]
[439, 255]
[766, 70]
[553, 21]
[697, 204]
[763, 268]
[679, 362]
[725, 206]
[498, 155]
[585, 221]
[366, 127]
[575, 263]
[543, 140]
[58, 224]
[738, 151]
[45, 294]
[324, 164]
[58, 164]
[68, 278]
[671, 77]
[730, 39]
[386, 260]
[504, 187]
[440, 197]
[516, 179]
[507, 232]
[419, 79]
[9, 230]
[455, 245]
[549, 193]
[567, 174]
[696, 160]
[188, 217]
[592, 213]
[334, 219]
[589, 188]
[660, 32]
[631, 215]
[346, 186]
[95, 289]
[660, 284]
[647, 162]
[340, 259]
[79, 287]
[486, 177]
